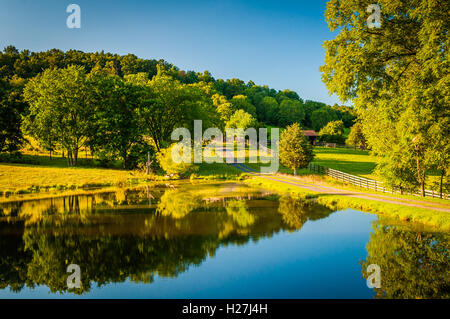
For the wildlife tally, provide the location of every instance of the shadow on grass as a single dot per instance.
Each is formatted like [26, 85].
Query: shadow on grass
[348, 151]
[58, 162]
[350, 167]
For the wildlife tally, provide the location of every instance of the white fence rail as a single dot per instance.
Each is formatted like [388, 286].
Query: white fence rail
[365, 182]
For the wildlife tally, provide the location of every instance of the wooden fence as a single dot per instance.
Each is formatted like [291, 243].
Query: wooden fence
[335, 145]
[365, 182]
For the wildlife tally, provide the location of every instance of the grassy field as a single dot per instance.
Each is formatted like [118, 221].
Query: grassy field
[41, 171]
[355, 162]
[359, 163]
[53, 175]
[17, 178]
[217, 171]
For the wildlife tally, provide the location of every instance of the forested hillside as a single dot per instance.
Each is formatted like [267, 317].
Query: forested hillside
[182, 96]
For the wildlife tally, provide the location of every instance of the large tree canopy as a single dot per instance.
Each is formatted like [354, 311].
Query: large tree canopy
[397, 76]
[168, 104]
[61, 109]
[11, 106]
[117, 106]
[116, 129]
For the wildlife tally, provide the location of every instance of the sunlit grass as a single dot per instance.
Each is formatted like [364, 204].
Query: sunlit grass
[437, 219]
[355, 162]
[21, 177]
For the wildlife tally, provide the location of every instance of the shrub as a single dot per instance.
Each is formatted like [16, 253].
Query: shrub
[166, 162]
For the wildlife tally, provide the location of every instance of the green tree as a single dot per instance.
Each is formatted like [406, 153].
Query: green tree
[255, 94]
[171, 166]
[310, 107]
[168, 104]
[241, 102]
[224, 108]
[397, 170]
[116, 128]
[241, 119]
[356, 137]
[61, 109]
[269, 110]
[320, 118]
[333, 128]
[333, 132]
[290, 111]
[11, 108]
[295, 149]
[287, 94]
[395, 75]
[230, 88]
[439, 153]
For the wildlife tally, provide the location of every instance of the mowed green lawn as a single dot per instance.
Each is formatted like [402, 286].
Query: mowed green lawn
[22, 177]
[356, 162]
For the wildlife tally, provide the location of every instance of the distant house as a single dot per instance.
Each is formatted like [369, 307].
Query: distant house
[311, 135]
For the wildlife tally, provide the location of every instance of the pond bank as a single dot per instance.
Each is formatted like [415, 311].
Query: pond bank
[432, 215]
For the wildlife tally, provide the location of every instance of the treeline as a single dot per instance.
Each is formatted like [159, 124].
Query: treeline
[72, 99]
[114, 117]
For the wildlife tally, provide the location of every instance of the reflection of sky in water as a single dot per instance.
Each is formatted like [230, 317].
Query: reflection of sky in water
[321, 260]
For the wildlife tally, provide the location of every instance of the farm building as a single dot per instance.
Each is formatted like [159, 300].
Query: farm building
[311, 135]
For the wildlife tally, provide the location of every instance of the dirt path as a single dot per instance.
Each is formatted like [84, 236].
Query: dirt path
[291, 180]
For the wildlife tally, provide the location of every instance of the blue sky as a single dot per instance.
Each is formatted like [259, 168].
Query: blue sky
[278, 43]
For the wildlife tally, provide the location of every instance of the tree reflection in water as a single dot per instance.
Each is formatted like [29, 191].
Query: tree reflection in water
[414, 264]
[123, 235]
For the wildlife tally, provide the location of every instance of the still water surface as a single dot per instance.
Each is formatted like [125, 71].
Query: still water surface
[211, 241]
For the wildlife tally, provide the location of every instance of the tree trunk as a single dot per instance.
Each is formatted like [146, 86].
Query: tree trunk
[69, 158]
[420, 178]
[422, 188]
[440, 184]
[75, 157]
[295, 171]
[148, 164]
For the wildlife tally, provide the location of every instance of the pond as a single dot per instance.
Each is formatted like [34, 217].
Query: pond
[218, 240]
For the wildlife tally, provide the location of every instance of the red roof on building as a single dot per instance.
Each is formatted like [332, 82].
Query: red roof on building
[310, 133]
